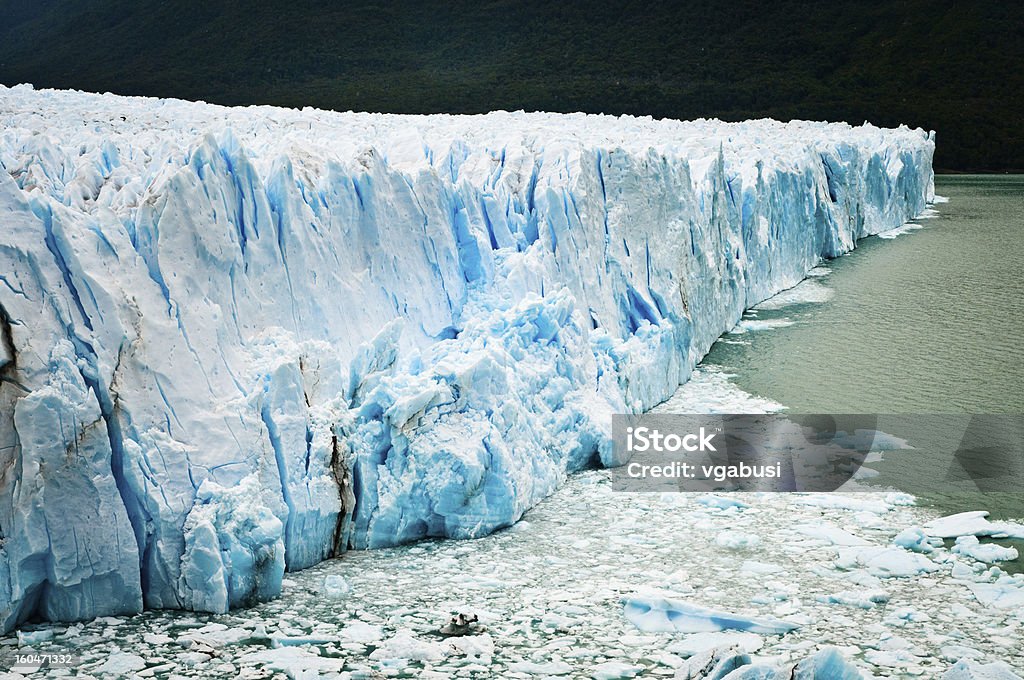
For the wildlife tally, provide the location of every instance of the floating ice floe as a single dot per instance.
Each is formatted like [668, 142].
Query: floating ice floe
[972, 523]
[336, 587]
[840, 502]
[301, 640]
[614, 670]
[737, 540]
[1007, 592]
[703, 642]
[968, 669]
[714, 663]
[829, 534]
[359, 631]
[726, 664]
[121, 665]
[654, 611]
[477, 648]
[885, 562]
[214, 635]
[721, 502]
[404, 645]
[296, 662]
[35, 637]
[970, 546]
[864, 599]
[535, 668]
[760, 568]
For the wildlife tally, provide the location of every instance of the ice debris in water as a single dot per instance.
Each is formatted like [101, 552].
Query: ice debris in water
[550, 599]
[654, 611]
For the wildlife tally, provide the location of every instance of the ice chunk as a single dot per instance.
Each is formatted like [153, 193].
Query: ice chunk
[721, 502]
[703, 642]
[829, 534]
[713, 664]
[737, 540]
[970, 546]
[296, 662]
[760, 568]
[827, 664]
[121, 664]
[972, 523]
[360, 631]
[301, 640]
[864, 599]
[656, 611]
[35, 637]
[955, 653]
[336, 587]
[915, 539]
[478, 648]
[614, 670]
[900, 231]
[710, 391]
[213, 635]
[1007, 592]
[535, 668]
[885, 562]
[966, 669]
[405, 645]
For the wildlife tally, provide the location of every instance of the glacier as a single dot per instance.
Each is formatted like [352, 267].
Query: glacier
[239, 341]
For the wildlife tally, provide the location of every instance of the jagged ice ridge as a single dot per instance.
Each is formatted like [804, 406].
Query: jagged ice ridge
[238, 341]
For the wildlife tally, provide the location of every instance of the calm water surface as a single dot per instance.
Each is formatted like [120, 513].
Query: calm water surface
[930, 322]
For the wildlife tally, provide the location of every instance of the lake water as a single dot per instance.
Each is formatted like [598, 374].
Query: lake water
[929, 322]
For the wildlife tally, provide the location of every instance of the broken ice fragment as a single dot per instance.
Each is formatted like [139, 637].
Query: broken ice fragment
[656, 611]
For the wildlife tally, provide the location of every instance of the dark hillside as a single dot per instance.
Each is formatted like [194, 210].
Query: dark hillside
[956, 67]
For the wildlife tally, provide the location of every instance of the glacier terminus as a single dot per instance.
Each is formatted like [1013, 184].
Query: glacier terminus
[240, 341]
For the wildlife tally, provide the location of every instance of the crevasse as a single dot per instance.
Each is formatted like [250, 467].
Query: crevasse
[238, 341]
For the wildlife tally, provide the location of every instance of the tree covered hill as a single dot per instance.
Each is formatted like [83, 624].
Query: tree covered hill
[955, 67]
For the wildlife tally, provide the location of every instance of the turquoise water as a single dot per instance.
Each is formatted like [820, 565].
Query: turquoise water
[929, 322]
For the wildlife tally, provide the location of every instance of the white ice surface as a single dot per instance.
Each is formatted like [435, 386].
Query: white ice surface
[248, 339]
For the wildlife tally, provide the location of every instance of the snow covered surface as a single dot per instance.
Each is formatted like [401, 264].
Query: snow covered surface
[239, 341]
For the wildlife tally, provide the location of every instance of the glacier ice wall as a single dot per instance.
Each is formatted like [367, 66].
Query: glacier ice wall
[237, 341]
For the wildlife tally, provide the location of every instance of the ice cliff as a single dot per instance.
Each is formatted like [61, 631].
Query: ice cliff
[238, 341]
